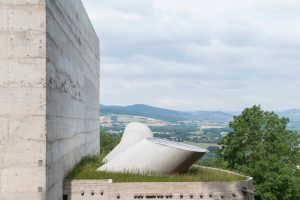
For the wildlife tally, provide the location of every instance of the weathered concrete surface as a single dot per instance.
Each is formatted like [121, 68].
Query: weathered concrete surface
[107, 190]
[48, 95]
[72, 90]
[22, 99]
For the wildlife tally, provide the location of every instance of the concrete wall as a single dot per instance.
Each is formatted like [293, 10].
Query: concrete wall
[49, 95]
[22, 99]
[72, 90]
[107, 190]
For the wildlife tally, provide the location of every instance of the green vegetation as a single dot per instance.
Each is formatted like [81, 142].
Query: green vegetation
[108, 142]
[212, 135]
[86, 169]
[210, 159]
[262, 146]
[259, 144]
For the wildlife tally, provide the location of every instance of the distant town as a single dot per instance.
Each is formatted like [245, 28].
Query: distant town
[191, 131]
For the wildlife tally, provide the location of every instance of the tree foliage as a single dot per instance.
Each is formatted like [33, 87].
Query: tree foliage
[108, 142]
[262, 146]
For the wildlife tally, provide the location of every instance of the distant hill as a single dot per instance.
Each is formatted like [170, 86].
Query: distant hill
[294, 116]
[146, 111]
[168, 115]
[214, 117]
[295, 113]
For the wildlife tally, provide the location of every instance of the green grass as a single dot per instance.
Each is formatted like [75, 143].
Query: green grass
[86, 169]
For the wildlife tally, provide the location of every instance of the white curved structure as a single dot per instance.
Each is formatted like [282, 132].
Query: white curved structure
[133, 133]
[138, 151]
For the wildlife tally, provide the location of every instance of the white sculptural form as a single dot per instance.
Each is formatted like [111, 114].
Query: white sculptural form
[139, 151]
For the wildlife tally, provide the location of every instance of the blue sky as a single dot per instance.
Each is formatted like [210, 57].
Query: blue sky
[199, 55]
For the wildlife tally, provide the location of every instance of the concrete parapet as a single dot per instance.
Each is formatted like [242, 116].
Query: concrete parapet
[108, 190]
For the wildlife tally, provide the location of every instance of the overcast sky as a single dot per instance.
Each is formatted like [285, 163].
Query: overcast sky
[199, 55]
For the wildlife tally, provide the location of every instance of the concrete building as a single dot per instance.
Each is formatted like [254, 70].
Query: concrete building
[49, 95]
[138, 151]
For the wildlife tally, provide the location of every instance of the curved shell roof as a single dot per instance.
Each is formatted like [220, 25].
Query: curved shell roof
[133, 133]
[139, 151]
[177, 145]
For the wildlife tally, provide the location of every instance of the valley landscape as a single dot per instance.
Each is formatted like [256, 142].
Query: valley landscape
[197, 126]
[200, 128]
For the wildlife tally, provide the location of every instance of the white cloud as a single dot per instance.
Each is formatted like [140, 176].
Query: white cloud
[189, 55]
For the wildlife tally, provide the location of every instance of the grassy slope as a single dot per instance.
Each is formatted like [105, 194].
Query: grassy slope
[86, 169]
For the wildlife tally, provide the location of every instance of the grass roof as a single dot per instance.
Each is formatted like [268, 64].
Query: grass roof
[86, 169]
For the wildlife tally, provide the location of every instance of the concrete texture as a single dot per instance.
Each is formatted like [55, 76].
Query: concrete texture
[22, 99]
[49, 95]
[138, 151]
[107, 190]
[72, 101]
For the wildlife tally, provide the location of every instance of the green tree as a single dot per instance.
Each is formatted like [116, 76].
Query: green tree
[108, 142]
[262, 146]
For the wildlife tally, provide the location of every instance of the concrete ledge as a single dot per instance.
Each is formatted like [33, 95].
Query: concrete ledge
[108, 190]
